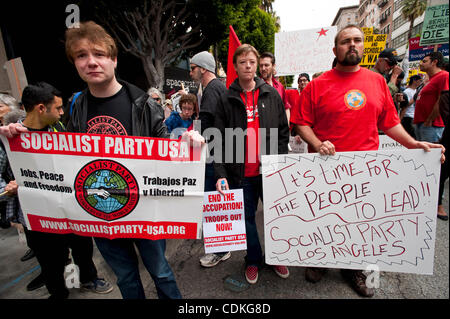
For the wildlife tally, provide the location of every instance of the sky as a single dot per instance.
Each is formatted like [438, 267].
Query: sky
[308, 14]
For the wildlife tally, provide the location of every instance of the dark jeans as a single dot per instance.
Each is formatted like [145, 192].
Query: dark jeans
[252, 189]
[52, 251]
[445, 167]
[120, 254]
[407, 123]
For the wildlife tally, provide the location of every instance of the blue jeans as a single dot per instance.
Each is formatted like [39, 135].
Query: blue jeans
[252, 189]
[120, 254]
[430, 134]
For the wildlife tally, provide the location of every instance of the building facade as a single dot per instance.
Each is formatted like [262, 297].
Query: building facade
[345, 16]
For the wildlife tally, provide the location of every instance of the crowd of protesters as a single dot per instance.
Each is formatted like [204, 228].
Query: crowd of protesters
[254, 102]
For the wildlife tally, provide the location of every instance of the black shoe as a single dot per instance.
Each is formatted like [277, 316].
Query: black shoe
[357, 281]
[36, 283]
[28, 255]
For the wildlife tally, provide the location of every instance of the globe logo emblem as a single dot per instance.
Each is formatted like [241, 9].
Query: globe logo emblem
[355, 99]
[106, 189]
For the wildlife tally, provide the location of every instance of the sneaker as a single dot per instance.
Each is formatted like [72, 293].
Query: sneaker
[210, 260]
[99, 285]
[28, 255]
[314, 274]
[357, 281]
[281, 271]
[36, 283]
[251, 274]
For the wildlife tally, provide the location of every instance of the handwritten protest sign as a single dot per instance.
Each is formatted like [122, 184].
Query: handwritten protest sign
[387, 143]
[307, 51]
[108, 186]
[352, 210]
[373, 45]
[224, 221]
[435, 25]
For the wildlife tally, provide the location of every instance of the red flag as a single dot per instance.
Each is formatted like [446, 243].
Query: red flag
[233, 44]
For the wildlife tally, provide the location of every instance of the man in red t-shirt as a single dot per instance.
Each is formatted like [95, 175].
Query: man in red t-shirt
[429, 124]
[267, 71]
[342, 111]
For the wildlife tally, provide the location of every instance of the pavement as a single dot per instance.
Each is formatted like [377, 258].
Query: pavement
[226, 280]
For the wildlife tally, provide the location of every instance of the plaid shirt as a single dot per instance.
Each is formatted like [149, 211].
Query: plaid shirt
[13, 210]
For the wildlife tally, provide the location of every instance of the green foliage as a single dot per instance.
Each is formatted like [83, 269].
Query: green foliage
[251, 24]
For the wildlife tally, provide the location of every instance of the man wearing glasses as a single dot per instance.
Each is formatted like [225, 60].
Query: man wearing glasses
[387, 64]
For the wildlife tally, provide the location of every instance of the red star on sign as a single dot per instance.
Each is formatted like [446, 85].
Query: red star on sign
[322, 32]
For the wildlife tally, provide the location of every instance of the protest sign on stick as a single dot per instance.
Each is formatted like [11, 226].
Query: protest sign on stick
[352, 210]
[307, 51]
[224, 221]
[108, 186]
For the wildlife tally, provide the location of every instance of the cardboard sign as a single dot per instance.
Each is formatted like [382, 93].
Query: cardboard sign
[435, 25]
[352, 210]
[224, 221]
[373, 45]
[108, 186]
[308, 51]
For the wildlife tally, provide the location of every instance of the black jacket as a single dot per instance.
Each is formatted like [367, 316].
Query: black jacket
[146, 114]
[231, 113]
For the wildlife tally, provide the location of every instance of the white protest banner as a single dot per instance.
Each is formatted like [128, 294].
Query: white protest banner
[352, 210]
[387, 143]
[224, 221]
[108, 186]
[307, 51]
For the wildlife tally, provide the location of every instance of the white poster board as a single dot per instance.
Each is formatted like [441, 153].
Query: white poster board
[224, 221]
[352, 210]
[387, 143]
[304, 51]
[108, 186]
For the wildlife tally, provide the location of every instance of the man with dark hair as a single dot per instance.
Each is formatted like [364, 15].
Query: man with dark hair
[44, 107]
[252, 106]
[341, 111]
[429, 123]
[407, 112]
[267, 71]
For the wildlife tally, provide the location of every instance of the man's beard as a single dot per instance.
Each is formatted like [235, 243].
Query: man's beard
[351, 59]
[266, 76]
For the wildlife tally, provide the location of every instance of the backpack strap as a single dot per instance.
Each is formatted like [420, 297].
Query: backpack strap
[75, 97]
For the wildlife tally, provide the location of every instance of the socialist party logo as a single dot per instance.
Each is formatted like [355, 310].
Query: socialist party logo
[106, 189]
[355, 100]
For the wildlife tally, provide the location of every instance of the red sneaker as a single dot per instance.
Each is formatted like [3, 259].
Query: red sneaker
[281, 271]
[251, 274]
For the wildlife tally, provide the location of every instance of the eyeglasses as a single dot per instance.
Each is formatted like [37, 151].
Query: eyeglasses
[193, 68]
[157, 99]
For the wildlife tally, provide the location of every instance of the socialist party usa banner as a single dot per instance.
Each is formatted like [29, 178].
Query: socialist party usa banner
[108, 186]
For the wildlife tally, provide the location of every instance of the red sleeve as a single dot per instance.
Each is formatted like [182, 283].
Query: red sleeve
[389, 116]
[302, 112]
[285, 99]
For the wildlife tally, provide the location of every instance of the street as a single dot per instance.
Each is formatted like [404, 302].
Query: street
[226, 280]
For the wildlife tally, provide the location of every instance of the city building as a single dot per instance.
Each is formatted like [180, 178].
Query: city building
[345, 16]
[377, 14]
